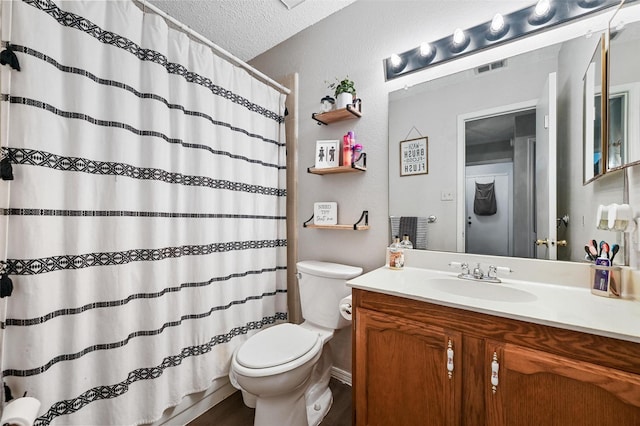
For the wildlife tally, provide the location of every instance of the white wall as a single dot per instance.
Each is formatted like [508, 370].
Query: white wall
[354, 42]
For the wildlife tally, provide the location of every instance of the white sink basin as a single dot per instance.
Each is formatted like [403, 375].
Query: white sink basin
[480, 290]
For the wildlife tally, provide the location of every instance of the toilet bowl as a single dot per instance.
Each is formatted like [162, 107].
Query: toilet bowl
[274, 382]
[284, 370]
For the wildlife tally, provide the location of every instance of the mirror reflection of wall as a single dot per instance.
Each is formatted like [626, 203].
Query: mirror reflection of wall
[434, 108]
[592, 129]
[624, 95]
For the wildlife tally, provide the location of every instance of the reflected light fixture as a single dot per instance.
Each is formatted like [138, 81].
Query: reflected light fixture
[543, 15]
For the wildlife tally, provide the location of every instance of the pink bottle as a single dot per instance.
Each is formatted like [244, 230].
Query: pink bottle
[346, 150]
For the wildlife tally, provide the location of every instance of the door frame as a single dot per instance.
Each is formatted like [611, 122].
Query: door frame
[461, 158]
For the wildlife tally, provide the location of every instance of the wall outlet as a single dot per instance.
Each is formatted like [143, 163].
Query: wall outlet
[446, 196]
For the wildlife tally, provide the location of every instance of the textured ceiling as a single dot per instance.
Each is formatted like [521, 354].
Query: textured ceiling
[247, 28]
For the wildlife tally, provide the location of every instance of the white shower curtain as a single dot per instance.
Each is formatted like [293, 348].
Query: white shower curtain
[145, 228]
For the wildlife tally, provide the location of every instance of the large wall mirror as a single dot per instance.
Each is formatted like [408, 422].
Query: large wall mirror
[514, 126]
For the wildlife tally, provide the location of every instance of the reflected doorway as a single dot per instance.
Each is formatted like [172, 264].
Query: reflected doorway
[500, 184]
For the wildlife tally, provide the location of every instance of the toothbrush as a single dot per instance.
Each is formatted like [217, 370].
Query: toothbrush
[604, 250]
[593, 248]
[614, 251]
[602, 243]
[589, 249]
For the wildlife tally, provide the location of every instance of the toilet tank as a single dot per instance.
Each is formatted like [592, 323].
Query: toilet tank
[322, 286]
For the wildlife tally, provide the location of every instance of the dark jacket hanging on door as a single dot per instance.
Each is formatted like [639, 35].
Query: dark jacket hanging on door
[484, 203]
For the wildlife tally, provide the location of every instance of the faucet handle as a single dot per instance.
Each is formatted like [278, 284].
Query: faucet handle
[464, 266]
[495, 269]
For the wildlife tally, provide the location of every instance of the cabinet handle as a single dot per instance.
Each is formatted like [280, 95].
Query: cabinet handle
[494, 372]
[450, 359]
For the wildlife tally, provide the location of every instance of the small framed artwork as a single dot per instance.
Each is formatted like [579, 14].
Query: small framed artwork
[325, 213]
[327, 154]
[414, 157]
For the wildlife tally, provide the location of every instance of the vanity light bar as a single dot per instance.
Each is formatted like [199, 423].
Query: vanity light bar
[501, 29]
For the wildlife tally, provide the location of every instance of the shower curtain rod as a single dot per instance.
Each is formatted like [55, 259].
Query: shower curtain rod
[264, 78]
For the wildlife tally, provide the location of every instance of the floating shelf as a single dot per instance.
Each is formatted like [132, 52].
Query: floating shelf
[353, 168]
[350, 112]
[355, 227]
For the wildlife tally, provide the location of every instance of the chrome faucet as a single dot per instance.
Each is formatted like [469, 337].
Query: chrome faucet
[477, 274]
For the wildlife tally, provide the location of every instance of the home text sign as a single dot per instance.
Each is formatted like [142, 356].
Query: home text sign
[414, 157]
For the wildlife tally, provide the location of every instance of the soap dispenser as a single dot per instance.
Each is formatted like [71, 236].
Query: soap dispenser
[395, 254]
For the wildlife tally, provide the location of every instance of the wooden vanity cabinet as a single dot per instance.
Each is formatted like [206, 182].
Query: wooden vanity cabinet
[545, 375]
[404, 364]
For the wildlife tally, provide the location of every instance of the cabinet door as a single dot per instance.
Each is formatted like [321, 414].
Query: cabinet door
[406, 372]
[538, 388]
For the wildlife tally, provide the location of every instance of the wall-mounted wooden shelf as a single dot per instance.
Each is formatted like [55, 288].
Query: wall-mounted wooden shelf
[359, 166]
[333, 170]
[355, 227]
[350, 112]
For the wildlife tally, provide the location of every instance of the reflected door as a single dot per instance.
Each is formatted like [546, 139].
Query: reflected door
[488, 234]
[546, 131]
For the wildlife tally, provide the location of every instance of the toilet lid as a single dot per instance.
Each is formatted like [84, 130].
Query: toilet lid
[276, 345]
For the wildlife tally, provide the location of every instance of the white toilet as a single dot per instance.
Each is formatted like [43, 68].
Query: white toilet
[284, 370]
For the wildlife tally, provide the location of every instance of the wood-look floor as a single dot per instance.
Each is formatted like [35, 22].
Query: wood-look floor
[233, 412]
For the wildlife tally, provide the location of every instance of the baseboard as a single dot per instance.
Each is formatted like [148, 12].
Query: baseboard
[194, 405]
[342, 375]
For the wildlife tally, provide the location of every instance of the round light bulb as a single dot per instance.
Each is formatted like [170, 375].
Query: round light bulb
[396, 60]
[459, 36]
[497, 24]
[425, 49]
[542, 8]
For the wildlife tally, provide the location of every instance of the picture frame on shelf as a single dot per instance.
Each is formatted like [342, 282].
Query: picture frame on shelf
[325, 213]
[414, 157]
[327, 154]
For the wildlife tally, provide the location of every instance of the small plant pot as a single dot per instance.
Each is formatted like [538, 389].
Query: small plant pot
[343, 100]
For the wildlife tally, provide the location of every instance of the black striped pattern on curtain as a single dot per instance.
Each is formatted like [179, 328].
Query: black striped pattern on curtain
[146, 222]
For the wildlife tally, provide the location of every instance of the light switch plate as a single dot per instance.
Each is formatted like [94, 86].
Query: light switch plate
[446, 196]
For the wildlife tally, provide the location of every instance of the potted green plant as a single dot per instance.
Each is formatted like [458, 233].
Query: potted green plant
[345, 92]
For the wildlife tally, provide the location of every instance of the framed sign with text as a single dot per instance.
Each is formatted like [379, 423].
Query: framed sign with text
[325, 213]
[414, 157]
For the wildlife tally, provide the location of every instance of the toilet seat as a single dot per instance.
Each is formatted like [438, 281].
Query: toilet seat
[276, 349]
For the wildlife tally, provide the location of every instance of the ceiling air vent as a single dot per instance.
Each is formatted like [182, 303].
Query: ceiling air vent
[490, 67]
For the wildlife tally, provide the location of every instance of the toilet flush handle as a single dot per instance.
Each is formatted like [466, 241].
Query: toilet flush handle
[298, 275]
